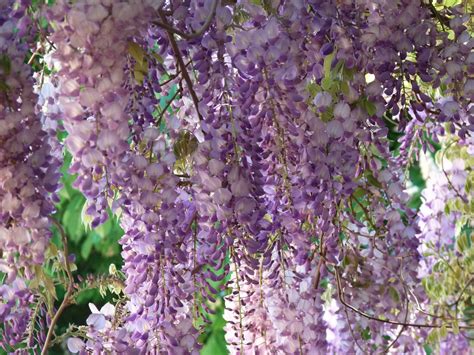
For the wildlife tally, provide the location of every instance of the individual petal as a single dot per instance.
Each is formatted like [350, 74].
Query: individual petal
[96, 320]
[108, 310]
[75, 345]
[222, 196]
[93, 308]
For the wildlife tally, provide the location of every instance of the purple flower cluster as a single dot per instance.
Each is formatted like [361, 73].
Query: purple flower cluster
[28, 172]
[28, 177]
[271, 163]
[438, 228]
[274, 156]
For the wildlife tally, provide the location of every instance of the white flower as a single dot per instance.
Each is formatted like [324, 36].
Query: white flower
[75, 345]
[98, 319]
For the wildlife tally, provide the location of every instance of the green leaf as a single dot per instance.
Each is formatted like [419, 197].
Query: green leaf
[428, 350]
[215, 344]
[43, 22]
[44, 280]
[455, 327]
[345, 87]
[451, 3]
[327, 84]
[443, 331]
[313, 89]
[433, 336]
[140, 70]
[327, 115]
[372, 180]
[358, 193]
[185, 145]
[327, 64]
[469, 312]
[72, 218]
[139, 74]
[90, 241]
[86, 247]
[158, 58]
[365, 334]
[394, 294]
[463, 242]
[370, 107]
[137, 52]
[5, 65]
[4, 86]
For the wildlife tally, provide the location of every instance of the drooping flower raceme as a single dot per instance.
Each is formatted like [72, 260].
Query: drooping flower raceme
[28, 179]
[256, 141]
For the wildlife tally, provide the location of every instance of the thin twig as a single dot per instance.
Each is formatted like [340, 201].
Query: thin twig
[165, 25]
[171, 29]
[317, 279]
[322, 254]
[32, 321]
[463, 199]
[444, 20]
[388, 321]
[179, 59]
[33, 57]
[174, 76]
[69, 291]
[168, 104]
[402, 329]
[462, 292]
[352, 332]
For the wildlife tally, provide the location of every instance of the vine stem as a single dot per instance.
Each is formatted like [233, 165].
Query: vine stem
[368, 316]
[182, 65]
[463, 199]
[165, 25]
[69, 291]
[168, 104]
